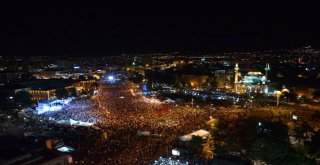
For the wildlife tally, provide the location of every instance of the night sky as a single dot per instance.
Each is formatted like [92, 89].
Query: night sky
[104, 28]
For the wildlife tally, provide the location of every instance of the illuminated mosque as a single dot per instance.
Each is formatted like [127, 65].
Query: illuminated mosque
[252, 82]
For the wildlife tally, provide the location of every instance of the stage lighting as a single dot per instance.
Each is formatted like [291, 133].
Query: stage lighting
[110, 78]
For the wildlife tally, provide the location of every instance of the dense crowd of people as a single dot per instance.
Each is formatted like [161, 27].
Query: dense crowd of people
[122, 115]
[168, 161]
[79, 110]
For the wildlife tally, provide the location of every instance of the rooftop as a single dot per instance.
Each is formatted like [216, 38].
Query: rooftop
[254, 73]
[201, 133]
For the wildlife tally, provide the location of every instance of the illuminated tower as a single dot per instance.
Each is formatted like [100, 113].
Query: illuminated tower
[267, 69]
[236, 73]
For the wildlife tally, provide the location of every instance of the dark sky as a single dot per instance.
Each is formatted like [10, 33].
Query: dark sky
[99, 28]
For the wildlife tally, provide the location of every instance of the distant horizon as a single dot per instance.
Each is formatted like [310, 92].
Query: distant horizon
[159, 52]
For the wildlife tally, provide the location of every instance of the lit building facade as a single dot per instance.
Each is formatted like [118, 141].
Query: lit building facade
[252, 82]
[42, 94]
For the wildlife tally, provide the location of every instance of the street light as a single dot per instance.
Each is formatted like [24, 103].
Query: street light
[278, 94]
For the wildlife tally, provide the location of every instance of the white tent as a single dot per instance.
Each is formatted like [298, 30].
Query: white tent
[74, 122]
[143, 133]
[169, 101]
[85, 123]
[201, 133]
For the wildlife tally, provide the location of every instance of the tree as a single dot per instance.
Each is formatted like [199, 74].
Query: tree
[302, 131]
[278, 131]
[90, 77]
[249, 128]
[286, 96]
[95, 85]
[314, 145]
[82, 77]
[179, 82]
[23, 98]
[196, 144]
[136, 77]
[256, 150]
[220, 81]
[73, 92]
[26, 76]
[219, 150]
[295, 158]
[83, 92]
[268, 150]
[212, 82]
[303, 99]
[316, 94]
[273, 147]
[62, 93]
[230, 143]
[293, 97]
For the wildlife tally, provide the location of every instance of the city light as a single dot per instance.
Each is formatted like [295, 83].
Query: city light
[110, 78]
[65, 149]
[294, 117]
[175, 152]
[159, 84]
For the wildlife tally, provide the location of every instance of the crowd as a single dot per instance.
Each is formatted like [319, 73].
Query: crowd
[79, 110]
[121, 114]
[168, 161]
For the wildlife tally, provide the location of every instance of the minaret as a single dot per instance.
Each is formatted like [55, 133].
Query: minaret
[267, 69]
[236, 73]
